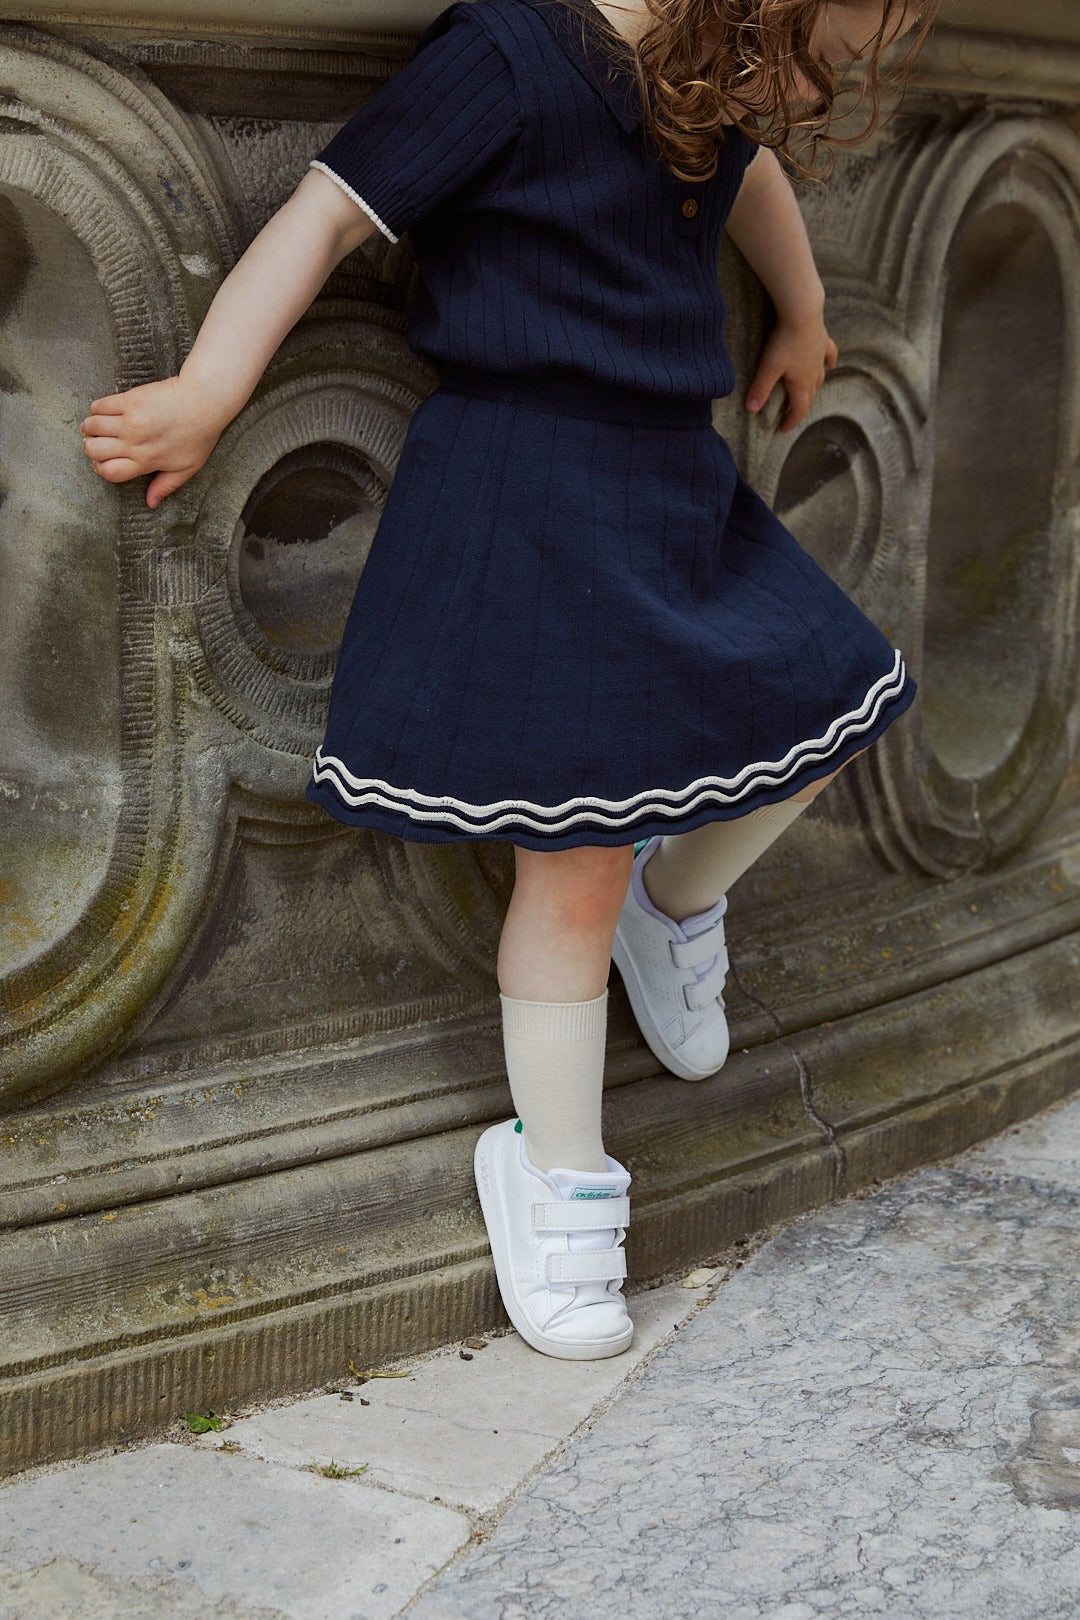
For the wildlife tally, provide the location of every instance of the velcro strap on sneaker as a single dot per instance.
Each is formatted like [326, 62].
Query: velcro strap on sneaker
[702, 991]
[702, 948]
[604, 1265]
[581, 1215]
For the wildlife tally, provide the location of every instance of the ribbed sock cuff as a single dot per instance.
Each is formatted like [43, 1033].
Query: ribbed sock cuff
[554, 1020]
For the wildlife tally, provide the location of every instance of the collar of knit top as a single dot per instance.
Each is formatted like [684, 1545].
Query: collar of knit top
[579, 27]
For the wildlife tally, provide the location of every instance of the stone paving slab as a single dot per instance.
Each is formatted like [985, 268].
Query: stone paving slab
[66, 1590]
[1043, 1149]
[191, 1531]
[878, 1415]
[460, 1432]
[174, 1530]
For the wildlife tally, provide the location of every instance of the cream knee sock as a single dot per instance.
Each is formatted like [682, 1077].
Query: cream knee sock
[555, 1063]
[688, 872]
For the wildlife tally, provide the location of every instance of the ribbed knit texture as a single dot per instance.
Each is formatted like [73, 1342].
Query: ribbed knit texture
[578, 624]
[570, 632]
[531, 260]
[559, 1020]
[555, 1064]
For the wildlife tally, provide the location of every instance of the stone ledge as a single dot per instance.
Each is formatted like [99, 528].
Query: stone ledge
[787, 1128]
[312, 20]
[1053, 22]
[1016, 66]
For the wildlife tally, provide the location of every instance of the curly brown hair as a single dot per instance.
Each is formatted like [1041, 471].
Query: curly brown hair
[705, 65]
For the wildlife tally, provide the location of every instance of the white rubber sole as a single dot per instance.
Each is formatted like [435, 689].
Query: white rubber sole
[635, 991]
[494, 1209]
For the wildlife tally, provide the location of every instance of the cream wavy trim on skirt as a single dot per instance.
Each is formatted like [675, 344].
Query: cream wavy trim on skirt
[489, 819]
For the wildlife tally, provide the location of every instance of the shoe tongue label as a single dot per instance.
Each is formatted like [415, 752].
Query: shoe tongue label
[593, 1192]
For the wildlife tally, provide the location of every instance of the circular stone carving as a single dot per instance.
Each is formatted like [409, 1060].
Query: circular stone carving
[287, 524]
[829, 494]
[60, 687]
[96, 295]
[301, 544]
[988, 564]
[995, 310]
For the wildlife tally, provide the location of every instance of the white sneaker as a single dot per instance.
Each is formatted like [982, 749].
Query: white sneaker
[556, 1239]
[674, 976]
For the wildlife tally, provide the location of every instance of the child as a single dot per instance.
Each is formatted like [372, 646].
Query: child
[578, 628]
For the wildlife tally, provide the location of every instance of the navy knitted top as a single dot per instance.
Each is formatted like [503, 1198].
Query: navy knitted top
[550, 236]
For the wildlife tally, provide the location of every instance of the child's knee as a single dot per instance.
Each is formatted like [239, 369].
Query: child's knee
[586, 885]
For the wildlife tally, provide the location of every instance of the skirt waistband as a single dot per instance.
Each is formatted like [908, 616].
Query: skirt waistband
[578, 396]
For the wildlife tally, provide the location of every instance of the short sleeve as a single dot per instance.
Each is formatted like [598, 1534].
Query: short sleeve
[751, 148]
[431, 129]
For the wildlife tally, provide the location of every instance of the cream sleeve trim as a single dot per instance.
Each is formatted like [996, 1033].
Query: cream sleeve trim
[359, 201]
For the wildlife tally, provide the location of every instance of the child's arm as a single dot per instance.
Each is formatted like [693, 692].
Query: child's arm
[170, 427]
[767, 228]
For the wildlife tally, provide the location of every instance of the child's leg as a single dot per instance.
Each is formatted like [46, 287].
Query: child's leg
[670, 948]
[554, 1204]
[688, 872]
[554, 957]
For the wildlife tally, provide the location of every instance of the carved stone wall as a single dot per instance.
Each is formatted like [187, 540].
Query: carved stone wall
[243, 1051]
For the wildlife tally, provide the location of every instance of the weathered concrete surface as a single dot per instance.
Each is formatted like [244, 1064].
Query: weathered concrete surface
[147, 1527]
[184, 1530]
[879, 1415]
[464, 1433]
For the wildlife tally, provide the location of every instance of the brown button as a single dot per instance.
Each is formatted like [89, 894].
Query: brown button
[689, 208]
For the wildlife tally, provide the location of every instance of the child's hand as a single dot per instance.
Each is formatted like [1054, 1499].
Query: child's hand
[797, 353]
[159, 428]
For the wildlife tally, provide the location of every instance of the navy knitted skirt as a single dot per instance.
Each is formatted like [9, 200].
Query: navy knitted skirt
[579, 625]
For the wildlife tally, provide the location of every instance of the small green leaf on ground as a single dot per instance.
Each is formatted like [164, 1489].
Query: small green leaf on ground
[200, 1423]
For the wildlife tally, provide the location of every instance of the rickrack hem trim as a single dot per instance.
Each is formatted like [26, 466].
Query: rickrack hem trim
[491, 818]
